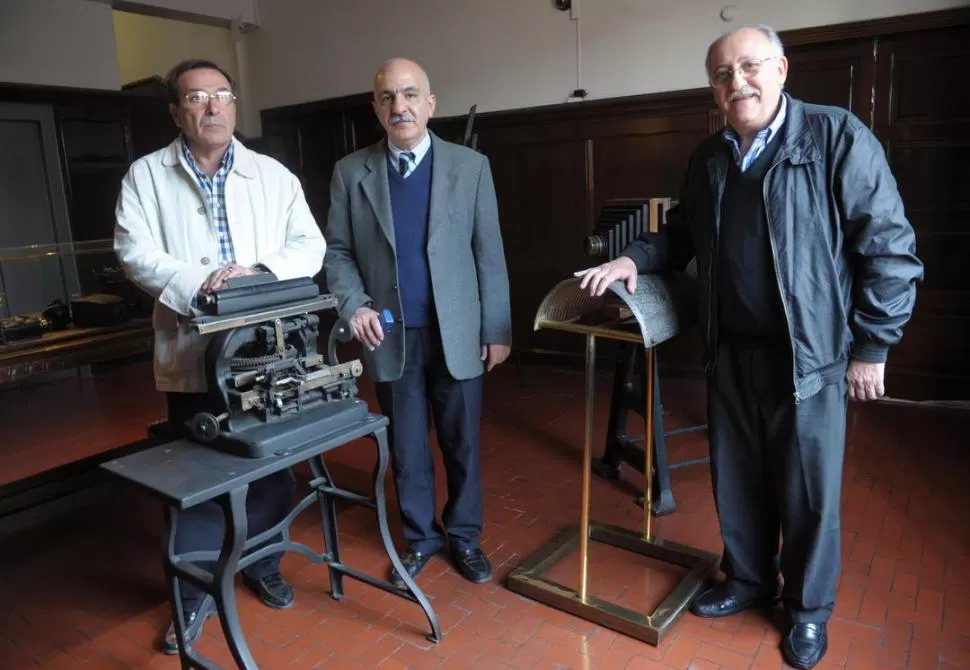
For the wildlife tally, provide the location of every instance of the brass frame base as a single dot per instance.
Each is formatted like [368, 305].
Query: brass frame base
[528, 580]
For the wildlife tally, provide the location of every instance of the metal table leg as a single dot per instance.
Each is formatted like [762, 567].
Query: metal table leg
[327, 491]
[380, 438]
[220, 584]
[234, 507]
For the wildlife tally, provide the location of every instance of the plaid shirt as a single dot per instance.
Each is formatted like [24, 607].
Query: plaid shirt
[215, 192]
[760, 140]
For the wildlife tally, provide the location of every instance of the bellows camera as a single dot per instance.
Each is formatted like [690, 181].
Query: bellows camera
[621, 221]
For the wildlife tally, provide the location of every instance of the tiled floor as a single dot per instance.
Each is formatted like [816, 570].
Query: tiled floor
[85, 589]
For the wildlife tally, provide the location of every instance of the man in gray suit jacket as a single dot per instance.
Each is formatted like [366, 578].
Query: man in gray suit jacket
[413, 228]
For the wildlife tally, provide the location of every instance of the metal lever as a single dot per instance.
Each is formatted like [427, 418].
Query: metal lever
[342, 332]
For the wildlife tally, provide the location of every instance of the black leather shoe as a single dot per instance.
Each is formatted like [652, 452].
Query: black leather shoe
[194, 620]
[805, 644]
[272, 590]
[719, 601]
[472, 564]
[413, 562]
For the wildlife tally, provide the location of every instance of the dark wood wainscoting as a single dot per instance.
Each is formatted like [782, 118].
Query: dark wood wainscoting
[555, 166]
[922, 116]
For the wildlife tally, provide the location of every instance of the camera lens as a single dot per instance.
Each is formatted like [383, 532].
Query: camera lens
[595, 246]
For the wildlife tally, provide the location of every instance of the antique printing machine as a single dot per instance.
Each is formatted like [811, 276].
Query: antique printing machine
[271, 387]
[277, 401]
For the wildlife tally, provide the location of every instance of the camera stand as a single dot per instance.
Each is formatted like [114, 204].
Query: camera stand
[661, 306]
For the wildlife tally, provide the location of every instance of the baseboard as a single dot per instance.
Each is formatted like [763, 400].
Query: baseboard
[47, 492]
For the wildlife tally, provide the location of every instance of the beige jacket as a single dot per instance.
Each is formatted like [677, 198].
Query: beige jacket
[166, 242]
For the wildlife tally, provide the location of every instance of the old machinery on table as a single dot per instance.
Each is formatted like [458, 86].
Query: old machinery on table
[271, 389]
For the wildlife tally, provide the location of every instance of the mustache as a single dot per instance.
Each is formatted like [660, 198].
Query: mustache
[395, 119]
[743, 92]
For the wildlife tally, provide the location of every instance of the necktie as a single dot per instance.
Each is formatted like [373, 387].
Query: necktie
[403, 161]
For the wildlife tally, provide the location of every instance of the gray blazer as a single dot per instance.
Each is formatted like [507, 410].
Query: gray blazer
[469, 279]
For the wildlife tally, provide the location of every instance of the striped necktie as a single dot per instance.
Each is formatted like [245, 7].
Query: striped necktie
[404, 161]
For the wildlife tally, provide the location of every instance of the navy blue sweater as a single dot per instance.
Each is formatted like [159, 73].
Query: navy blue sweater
[410, 205]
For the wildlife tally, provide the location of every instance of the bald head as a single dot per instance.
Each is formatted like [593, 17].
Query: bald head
[394, 65]
[758, 31]
[403, 101]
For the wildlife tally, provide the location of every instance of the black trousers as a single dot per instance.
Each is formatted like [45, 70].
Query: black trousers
[776, 466]
[199, 528]
[456, 408]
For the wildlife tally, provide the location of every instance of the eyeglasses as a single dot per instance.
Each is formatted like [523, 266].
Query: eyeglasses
[202, 98]
[749, 68]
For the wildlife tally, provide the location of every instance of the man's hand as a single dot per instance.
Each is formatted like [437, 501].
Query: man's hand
[599, 278]
[217, 280]
[866, 380]
[494, 354]
[366, 324]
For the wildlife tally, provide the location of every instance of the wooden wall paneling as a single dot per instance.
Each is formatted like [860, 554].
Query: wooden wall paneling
[540, 181]
[922, 115]
[322, 143]
[314, 136]
[553, 170]
[840, 74]
[363, 128]
[646, 156]
[150, 125]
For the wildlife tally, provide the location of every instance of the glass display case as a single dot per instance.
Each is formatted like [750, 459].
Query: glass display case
[65, 306]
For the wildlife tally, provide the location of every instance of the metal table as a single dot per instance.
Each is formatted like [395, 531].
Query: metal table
[183, 474]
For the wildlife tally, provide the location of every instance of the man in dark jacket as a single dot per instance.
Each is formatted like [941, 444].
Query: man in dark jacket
[808, 275]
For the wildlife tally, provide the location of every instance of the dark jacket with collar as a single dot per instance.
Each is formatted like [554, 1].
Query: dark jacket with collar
[844, 252]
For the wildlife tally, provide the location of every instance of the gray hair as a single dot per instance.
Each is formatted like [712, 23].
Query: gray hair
[767, 31]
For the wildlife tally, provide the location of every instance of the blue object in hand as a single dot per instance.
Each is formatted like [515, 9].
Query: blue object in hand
[387, 320]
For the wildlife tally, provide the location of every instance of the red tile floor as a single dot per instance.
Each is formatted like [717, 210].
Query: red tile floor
[85, 589]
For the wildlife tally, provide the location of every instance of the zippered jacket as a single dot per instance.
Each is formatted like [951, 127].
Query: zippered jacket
[844, 252]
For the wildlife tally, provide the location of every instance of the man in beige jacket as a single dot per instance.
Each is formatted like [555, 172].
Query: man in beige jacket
[191, 216]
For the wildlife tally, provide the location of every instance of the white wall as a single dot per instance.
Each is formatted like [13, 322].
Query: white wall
[505, 54]
[57, 43]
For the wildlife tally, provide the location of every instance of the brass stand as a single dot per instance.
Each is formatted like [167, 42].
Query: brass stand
[528, 579]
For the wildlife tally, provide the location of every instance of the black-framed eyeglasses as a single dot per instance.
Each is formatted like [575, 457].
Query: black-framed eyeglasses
[201, 98]
[749, 68]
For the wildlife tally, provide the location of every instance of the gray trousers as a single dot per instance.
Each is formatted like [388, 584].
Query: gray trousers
[776, 468]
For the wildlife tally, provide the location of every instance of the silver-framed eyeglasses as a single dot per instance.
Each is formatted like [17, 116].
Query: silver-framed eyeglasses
[201, 98]
[748, 68]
